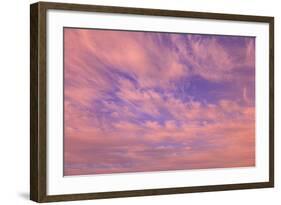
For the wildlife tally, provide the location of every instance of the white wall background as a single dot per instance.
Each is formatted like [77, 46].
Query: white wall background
[14, 101]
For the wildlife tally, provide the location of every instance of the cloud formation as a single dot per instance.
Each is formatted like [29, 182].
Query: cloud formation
[148, 101]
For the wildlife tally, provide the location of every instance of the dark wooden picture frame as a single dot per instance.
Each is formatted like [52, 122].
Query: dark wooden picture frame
[38, 101]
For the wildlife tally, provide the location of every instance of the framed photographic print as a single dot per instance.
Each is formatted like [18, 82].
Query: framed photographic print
[134, 102]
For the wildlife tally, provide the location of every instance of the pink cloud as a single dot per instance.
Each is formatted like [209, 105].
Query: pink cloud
[128, 107]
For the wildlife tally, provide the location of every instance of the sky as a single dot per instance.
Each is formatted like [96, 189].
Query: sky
[151, 101]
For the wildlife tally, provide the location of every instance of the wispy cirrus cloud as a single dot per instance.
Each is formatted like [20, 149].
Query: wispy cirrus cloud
[146, 101]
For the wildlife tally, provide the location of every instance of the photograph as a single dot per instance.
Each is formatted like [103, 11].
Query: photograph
[138, 101]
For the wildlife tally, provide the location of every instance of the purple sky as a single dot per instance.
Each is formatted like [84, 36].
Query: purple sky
[148, 101]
